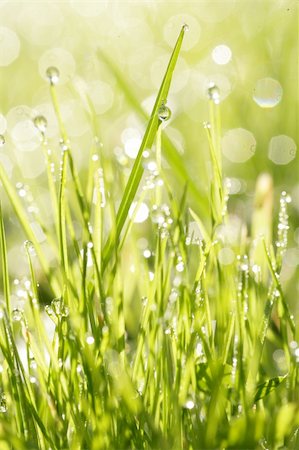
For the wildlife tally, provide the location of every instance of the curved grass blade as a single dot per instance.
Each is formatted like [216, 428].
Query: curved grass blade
[25, 224]
[171, 154]
[148, 138]
[268, 386]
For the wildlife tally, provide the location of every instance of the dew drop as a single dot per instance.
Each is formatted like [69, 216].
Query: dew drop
[147, 253]
[3, 405]
[173, 295]
[186, 27]
[157, 216]
[150, 164]
[206, 125]
[40, 123]
[144, 301]
[213, 93]
[49, 310]
[32, 364]
[164, 113]
[29, 247]
[58, 308]
[180, 266]
[52, 73]
[17, 315]
[146, 154]
[2, 140]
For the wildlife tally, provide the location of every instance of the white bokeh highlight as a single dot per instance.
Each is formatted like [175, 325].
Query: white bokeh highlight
[267, 93]
[9, 46]
[282, 149]
[238, 145]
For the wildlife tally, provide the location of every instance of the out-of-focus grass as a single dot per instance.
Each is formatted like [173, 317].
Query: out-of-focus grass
[170, 317]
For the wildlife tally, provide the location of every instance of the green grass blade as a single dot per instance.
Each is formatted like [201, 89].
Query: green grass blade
[25, 224]
[267, 387]
[5, 274]
[137, 171]
[172, 155]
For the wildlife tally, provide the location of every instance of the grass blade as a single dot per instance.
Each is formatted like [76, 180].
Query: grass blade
[4, 264]
[172, 155]
[137, 171]
[268, 386]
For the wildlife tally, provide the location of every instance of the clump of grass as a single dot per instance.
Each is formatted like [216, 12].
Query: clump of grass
[163, 347]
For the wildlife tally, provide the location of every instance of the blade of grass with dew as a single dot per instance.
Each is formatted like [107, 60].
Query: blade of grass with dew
[137, 170]
[172, 155]
[5, 273]
[61, 195]
[25, 224]
[67, 157]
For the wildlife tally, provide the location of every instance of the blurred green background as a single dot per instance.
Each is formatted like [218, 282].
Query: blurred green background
[249, 49]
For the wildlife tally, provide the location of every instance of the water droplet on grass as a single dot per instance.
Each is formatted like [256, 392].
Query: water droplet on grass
[267, 92]
[40, 123]
[3, 405]
[17, 315]
[150, 164]
[32, 364]
[52, 73]
[2, 140]
[164, 113]
[157, 215]
[58, 308]
[147, 253]
[29, 247]
[180, 266]
[213, 93]
[190, 25]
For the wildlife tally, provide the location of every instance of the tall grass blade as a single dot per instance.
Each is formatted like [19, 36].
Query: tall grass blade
[149, 136]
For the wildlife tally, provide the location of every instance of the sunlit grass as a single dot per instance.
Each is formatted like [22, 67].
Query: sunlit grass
[162, 332]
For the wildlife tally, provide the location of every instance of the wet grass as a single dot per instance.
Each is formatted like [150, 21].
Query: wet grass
[162, 332]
